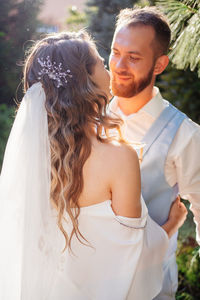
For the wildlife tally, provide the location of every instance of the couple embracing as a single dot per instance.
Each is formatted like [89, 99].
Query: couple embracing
[81, 218]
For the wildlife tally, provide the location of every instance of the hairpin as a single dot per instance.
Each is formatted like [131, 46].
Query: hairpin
[54, 71]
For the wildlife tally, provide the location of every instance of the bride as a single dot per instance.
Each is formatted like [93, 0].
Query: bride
[73, 225]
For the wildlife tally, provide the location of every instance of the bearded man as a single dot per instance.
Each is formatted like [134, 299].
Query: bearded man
[170, 163]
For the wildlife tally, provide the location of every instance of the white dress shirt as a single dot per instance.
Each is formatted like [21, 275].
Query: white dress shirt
[183, 163]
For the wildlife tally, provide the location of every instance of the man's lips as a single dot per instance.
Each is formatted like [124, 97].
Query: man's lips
[122, 76]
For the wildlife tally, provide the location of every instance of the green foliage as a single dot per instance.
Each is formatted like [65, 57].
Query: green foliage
[18, 23]
[182, 88]
[6, 120]
[76, 19]
[188, 260]
[184, 17]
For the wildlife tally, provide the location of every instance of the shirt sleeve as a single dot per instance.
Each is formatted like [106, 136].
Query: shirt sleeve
[183, 167]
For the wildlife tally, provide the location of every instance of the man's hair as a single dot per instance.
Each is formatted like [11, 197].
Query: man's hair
[148, 16]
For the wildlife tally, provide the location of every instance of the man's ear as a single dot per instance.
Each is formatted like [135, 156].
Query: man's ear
[161, 64]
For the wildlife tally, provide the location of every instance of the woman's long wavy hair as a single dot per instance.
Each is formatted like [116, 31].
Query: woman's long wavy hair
[72, 110]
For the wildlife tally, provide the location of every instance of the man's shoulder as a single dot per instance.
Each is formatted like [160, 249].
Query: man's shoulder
[190, 127]
[187, 121]
[188, 124]
[187, 132]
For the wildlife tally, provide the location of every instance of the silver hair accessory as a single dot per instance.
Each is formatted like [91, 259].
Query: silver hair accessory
[53, 71]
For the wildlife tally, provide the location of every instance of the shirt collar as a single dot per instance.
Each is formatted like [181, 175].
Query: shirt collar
[152, 108]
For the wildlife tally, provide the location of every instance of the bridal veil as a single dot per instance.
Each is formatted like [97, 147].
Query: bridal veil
[29, 234]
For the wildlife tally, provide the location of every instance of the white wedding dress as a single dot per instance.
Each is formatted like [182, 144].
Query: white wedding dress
[124, 260]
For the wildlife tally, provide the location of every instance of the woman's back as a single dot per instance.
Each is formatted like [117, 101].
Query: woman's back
[96, 179]
[112, 173]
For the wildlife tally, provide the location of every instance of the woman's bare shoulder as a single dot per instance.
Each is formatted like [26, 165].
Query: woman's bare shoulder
[121, 154]
[115, 157]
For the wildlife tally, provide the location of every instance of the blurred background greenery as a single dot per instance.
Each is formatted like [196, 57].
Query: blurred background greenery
[19, 24]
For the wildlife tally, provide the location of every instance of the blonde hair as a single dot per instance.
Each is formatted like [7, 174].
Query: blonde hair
[72, 109]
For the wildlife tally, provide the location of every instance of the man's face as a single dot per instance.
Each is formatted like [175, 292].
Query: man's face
[132, 60]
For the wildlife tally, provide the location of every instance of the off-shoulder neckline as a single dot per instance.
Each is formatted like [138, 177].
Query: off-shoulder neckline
[102, 203]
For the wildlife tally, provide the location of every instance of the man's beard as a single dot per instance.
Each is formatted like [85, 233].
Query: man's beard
[134, 88]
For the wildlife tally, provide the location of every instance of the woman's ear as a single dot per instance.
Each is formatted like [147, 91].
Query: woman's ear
[161, 64]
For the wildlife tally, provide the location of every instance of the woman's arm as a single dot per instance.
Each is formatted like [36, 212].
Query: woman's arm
[125, 182]
[177, 216]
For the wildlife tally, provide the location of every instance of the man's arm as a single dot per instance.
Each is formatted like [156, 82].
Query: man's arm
[183, 167]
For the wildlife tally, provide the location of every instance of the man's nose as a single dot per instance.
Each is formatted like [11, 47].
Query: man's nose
[121, 64]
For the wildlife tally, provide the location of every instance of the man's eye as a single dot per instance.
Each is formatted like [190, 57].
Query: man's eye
[114, 53]
[134, 58]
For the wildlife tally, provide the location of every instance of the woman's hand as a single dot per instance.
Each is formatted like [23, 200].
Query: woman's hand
[177, 216]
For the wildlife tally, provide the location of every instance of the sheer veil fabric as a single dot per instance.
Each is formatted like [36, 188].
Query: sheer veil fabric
[29, 235]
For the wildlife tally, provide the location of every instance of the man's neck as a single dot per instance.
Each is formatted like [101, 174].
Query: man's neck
[132, 105]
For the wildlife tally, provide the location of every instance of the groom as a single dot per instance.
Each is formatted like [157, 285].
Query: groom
[170, 163]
